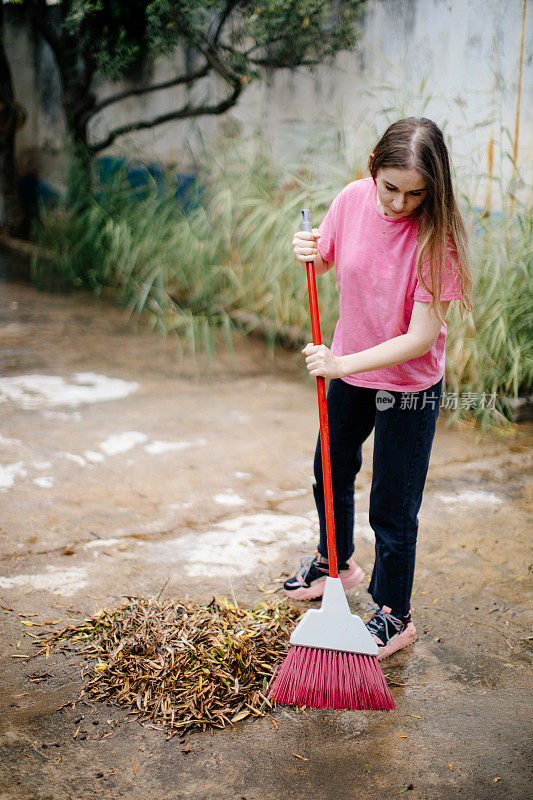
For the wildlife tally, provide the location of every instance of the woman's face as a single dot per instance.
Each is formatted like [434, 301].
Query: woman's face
[400, 191]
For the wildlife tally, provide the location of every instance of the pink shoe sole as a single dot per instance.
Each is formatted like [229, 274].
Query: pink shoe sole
[398, 642]
[349, 578]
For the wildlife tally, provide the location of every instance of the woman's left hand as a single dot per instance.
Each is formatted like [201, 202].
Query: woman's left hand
[321, 361]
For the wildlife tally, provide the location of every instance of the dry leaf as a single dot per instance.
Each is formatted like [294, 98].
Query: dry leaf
[240, 715]
[302, 758]
[180, 665]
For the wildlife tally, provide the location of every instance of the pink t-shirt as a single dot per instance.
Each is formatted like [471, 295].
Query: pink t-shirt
[375, 262]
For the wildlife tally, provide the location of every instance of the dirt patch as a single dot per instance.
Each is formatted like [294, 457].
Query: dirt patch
[202, 483]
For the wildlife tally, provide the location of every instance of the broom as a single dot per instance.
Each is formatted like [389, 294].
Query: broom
[332, 661]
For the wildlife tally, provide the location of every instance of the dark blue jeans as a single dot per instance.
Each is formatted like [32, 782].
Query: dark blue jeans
[404, 429]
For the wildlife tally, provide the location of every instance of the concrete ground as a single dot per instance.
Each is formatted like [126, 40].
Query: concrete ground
[124, 470]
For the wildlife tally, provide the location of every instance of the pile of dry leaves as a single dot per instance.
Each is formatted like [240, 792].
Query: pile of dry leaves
[181, 664]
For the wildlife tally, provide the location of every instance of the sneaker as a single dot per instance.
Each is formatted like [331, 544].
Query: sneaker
[310, 580]
[390, 633]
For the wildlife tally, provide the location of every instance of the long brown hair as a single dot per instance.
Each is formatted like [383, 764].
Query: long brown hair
[417, 143]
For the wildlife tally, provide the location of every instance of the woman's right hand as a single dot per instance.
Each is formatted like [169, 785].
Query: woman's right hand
[304, 245]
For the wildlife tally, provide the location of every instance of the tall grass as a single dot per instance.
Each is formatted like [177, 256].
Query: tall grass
[227, 265]
[491, 351]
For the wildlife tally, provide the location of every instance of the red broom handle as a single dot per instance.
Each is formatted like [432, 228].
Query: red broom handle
[322, 414]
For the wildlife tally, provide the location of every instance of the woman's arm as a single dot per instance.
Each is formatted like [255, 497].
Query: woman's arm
[422, 334]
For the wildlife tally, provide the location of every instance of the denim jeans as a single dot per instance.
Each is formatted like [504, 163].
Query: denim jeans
[404, 429]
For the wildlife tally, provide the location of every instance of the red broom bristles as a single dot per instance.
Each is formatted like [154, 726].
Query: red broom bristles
[319, 678]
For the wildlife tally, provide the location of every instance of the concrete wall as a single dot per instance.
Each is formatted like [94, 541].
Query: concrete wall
[455, 61]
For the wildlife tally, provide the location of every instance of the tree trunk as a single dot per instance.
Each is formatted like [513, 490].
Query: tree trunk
[11, 216]
[76, 65]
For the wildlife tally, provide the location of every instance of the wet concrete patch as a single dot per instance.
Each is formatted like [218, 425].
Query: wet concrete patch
[235, 546]
[471, 498]
[466, 666]
[36, 391]
[53, 579]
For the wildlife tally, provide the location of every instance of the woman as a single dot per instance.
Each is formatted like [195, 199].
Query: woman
[398, 246]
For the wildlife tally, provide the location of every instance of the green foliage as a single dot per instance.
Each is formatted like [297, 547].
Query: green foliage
[281, 33]
[491, 352]
[114, 31]
[227, 265]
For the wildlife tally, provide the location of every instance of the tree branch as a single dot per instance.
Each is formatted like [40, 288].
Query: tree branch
[271, 62]
[116, 98]
[278, 64]
[230, 5]
[186, 111]
[207, 49]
